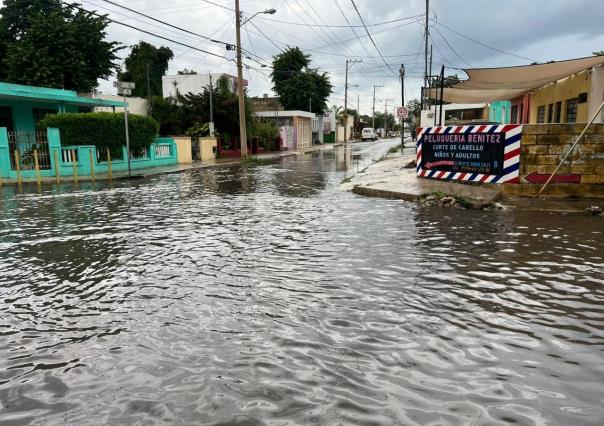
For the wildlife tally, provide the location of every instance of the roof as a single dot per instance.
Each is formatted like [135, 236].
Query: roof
[47, 94]
[291, 113]
[495, 84]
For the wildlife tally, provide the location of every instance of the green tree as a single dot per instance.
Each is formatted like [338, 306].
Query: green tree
[414, 106]
[46, 43]
[143, 58]
[187, 71]
[598, 53]
[297, 85]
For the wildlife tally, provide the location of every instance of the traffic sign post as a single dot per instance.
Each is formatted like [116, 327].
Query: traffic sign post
[402, 112]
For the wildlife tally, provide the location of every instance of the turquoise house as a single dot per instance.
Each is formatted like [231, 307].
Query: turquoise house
[28, 152]
[499, 111]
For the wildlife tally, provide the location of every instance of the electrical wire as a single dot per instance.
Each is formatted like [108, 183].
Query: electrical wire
[485, 45]
[370, 37]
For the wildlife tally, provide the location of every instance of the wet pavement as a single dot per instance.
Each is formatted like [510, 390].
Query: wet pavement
[265, 295]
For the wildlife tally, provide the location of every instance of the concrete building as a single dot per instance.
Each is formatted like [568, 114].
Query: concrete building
[499, 111]
[573, 99]
[453, 114]
[194, 83]
[295, 127]
[139, 106]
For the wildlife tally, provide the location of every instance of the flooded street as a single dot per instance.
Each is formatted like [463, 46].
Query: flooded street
[263, 294]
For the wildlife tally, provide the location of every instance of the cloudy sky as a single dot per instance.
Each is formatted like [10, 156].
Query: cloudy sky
[463, 33]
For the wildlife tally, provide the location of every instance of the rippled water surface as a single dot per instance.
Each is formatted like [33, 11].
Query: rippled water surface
[264, 295]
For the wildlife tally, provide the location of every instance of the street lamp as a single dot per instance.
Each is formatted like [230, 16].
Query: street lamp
[238, 24]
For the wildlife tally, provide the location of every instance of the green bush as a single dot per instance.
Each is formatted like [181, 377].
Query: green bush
[103, 130]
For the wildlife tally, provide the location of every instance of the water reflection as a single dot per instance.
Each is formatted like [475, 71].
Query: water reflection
[265, 295]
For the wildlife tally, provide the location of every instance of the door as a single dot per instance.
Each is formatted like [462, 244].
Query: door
[6, 118]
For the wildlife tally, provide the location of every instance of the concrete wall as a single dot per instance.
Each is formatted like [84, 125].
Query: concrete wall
[499, 111]
[194, 83]
[183, 149]
[138, 106]
[541, 150]
[561, 91]
[596, 93]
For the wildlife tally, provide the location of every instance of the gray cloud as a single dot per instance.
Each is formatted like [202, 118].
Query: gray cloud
[540, 29]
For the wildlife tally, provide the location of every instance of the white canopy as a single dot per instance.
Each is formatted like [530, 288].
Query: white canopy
[493, 84]
[455, 95]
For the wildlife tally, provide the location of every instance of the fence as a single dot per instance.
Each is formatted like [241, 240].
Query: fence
[28, 148]
[35, 156]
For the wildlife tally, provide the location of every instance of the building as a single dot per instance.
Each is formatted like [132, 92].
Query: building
[22, 107]
[499, 111]
[266, 103]
[295, 127]
[573, 99]
[453, 113]
[138, 106]
[194, 83]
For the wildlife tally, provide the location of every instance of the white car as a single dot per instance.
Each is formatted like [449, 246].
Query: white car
[368, 134]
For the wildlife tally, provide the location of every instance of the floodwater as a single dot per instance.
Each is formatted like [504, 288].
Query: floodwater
[262, 294]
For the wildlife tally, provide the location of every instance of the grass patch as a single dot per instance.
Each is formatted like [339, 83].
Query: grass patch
[394, 149]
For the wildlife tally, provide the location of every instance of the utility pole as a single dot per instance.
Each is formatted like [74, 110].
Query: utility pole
[426, 50]
[242, 129]
[442, 88]
[309, 104]
[386, 118]
[373, 109]
[358, 114]
[348, 61]
[402, 74]
[429, 76]
[148, 84]
[211, 124]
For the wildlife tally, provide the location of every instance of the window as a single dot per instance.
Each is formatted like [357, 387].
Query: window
[514, 115]
[6, 118]
[571, 110]
[550, 113]
[541, 114]
[521, 114]
[558, 114]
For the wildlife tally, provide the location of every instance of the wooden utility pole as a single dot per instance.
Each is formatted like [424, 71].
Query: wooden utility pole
[427, 34]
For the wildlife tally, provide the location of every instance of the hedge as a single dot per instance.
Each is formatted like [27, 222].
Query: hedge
[103, 129]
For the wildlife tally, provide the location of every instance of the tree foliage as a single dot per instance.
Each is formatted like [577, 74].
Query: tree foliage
[46, 43]
[144, 56]
[598, 53]
[297, 85]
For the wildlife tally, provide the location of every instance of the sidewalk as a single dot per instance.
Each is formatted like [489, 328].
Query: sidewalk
[389, 178]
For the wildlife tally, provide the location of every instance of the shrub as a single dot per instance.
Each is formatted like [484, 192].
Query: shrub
[103, 130]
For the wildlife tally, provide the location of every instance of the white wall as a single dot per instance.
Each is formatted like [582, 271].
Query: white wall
[137, 106]
[193, 83]
[596, 93]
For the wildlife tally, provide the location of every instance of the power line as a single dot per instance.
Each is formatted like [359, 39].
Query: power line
[167, 23]
[483, 44]
[451, 47]
[371, 38]
[145, 31]
[325, 25]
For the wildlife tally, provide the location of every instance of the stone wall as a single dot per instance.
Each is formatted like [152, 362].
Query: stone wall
[543, 146]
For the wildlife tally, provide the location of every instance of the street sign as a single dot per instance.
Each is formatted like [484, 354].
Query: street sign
[402, 112]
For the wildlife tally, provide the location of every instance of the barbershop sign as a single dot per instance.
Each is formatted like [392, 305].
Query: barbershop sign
[481, 153]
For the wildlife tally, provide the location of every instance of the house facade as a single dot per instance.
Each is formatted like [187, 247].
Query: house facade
[573, 99]
[295, 127]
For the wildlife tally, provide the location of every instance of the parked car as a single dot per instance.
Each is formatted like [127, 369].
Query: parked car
[368, 134]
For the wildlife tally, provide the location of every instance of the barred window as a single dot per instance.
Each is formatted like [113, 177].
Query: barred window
[541, 114]
[571, 110]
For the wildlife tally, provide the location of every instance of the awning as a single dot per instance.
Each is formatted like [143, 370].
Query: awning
[527, 76]
[455, 95]
[49, 95]
[496, 84]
